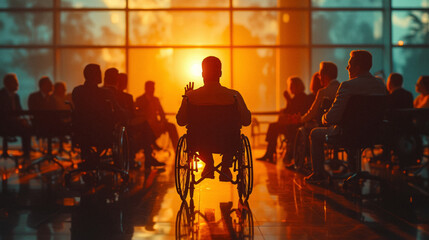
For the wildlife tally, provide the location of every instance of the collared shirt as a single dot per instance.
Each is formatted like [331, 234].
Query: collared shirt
[212, 93]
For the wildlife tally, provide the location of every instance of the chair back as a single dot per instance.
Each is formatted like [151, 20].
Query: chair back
[362, 119]
[213, 128]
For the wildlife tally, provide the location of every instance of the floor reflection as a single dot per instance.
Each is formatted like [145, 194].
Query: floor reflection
[235, 223]
[36, 205]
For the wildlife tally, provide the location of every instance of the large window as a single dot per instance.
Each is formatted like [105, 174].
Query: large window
[260, 42]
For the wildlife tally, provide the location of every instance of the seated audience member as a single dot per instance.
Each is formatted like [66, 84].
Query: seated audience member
[213, 93]
[288, 119]
[40, 100]
[150, 107]
[422, 87]
[361, 82]
[398, 97]
[125, 99]
[59, 100]
[328, 77]
[9, 123]
[315, 85]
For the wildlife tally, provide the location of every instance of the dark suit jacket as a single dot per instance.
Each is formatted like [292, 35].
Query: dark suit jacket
[400, 98]
[126, 101]
[36, 101]
[365, 84]
[6, 106]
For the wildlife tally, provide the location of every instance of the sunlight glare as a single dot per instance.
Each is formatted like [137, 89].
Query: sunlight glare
[196, 70]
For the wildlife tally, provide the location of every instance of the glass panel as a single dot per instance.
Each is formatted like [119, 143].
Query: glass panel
[270, 27]
[171, 69]
[334, 27]
[93, 28]
[73, 61]
[340, 56]
[410, 27]
[410, 3]
[270, 3]
[411, 63]
[177, 3]
[26, 4]
[28, 65]
[347, 3]
[179, 28]
[260, 74]
[25, 28]
[93, 3]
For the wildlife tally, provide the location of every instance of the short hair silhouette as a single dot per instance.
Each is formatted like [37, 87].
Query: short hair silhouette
[212, 68]
[329, 68]
[91, 72]
[149, 84]
[9, 79]
[111, 76]
[44, 80]
[424, 82]
[362, 58]
[396, 79]
[297, 83]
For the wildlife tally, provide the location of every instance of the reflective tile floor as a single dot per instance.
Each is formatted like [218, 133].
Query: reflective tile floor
[36, 205]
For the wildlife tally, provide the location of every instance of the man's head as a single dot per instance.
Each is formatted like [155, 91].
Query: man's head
[92, 73]
[122, 81]
[212, 69]
[328, 71]
[422, 85]
[360, 62]
[295, 85]
[394, 81]
[10, 82]
[60, 89]
[111, 77]
[45, 85]
[149, 88]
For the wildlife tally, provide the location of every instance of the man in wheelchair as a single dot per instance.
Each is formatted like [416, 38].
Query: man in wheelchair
[209, 130]
[95, 115]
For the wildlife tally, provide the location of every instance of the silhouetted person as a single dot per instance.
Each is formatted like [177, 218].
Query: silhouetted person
[150, 107]
[40, 100]
[286, 124]
[328, 73]
[398, 97]
[125, 99]
[10, 123]
[361, 82]
[315, 85]
[213, 93]
[422, 87]
[59, 100]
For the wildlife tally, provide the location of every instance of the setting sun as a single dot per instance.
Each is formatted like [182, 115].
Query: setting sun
[196, 70]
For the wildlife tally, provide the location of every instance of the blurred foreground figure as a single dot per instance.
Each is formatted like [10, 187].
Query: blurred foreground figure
[288, 119]
[361, 82]
[150, 108]
[13, 124]
[398, 97]
[422, 87]
[213, 93]
[59, 100]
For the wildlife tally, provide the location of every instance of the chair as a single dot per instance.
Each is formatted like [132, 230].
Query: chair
[359, 129]
[215, 129]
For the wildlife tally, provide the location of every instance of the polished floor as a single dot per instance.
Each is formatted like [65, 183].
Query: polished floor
[35, 204]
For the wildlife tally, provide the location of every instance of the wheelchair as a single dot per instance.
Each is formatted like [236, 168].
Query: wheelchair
[104, 149]
[215, 129]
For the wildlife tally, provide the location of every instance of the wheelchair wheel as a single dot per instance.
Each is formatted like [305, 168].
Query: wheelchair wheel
[181, 168]
[245, 185]
[120, 149]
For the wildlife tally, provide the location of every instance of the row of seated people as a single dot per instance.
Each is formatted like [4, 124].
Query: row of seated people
[328, 107]
[50, 96]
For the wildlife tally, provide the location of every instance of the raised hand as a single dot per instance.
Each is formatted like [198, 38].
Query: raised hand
[189, 87]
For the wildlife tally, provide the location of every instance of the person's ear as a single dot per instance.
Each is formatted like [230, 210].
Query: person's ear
[220, 74]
